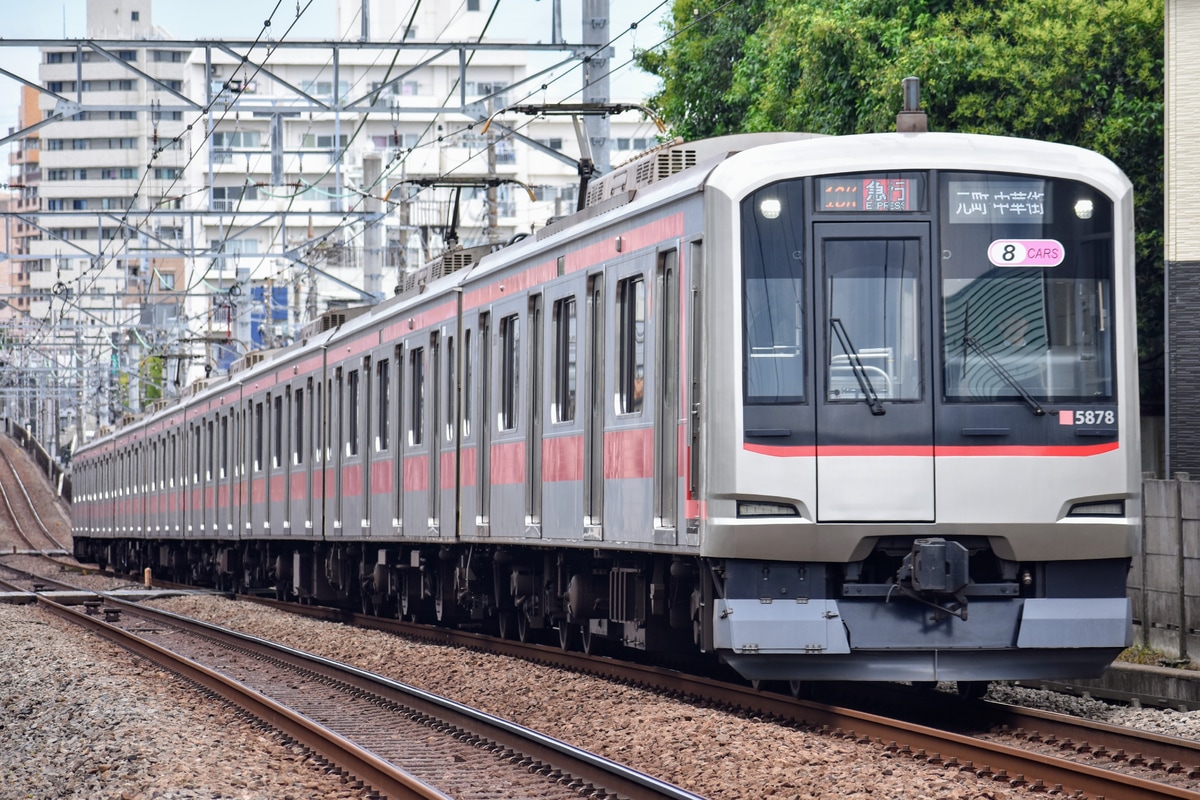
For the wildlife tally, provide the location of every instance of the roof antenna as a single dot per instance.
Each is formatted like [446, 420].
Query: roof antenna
[911, 118]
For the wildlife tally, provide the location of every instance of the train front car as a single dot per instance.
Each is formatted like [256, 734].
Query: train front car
[932, 403]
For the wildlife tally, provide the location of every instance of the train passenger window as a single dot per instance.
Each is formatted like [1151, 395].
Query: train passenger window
[631, 345]
[1027, 271]
[210, 451]
[451, 388]
[224, 447]
[258, 437]
[467, 355]
[416, 428]
[196, 454]
[298, 433]
[383, 410]
[510, 371]
[277, 432]
[773, 294]
[565, 352]
[318, 423]
[352, 433]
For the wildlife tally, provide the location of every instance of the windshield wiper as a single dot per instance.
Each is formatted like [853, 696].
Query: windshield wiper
[971, 341]
[857, 367]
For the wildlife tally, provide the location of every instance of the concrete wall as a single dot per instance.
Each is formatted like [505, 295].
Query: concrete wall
[1164, 582]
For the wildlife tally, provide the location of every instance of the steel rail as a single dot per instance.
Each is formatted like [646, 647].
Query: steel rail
[384, 777]
[1003, 762]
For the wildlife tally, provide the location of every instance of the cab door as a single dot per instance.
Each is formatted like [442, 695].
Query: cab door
[874, 405]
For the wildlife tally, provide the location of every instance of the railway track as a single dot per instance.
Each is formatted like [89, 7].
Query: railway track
[19, 508]
[1018, 747]
[366, 724]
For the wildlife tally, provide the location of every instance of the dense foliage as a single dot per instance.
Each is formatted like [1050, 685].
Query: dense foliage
[1088, 73]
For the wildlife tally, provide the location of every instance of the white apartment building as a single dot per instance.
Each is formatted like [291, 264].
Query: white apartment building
[213, 199]
[317, 139]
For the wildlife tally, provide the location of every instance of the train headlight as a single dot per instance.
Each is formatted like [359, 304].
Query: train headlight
[1108, 508]
[770, 207]
[756, 508]
[1083, 209]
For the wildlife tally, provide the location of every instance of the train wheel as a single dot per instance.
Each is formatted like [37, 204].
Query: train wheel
[588, 640]
[506, 621]
[525, 629]
[565, 639]
[799, 689]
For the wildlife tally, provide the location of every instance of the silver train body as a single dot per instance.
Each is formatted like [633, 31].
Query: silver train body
[855, 408]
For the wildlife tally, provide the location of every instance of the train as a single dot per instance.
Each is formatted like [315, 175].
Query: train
[854, 408]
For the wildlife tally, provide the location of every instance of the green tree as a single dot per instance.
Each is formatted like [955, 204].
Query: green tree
[1085, 73]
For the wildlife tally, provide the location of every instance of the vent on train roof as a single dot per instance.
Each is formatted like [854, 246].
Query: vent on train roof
[333, 318]
[674, 157]
[414, 282]
[196, 388]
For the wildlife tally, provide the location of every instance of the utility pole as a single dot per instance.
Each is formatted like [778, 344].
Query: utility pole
[596, 66]
[373, 230]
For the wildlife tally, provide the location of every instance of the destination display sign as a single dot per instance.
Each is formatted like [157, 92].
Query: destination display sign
[870, 193]
[999, 202]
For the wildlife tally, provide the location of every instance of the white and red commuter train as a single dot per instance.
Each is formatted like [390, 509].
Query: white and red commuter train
[855, 408]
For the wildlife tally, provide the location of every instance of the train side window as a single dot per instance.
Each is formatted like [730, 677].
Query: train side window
[468, 354]
[352, 402]
[631, 345]
[562, 408]
[451, 386]
[416, 428]
[210, 451]
[318, 423]
[298, 434]
[258, 437]
[383, 410]
[510, 371]
[195, 454]
[277, 431]
[224, 447]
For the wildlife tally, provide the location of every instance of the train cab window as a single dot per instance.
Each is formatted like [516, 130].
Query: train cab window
[874, 302]
[510, 371]
[631, 345]
[773, 294]
[416, 428]
[383, 409]
[1027, 281]
[562, 406]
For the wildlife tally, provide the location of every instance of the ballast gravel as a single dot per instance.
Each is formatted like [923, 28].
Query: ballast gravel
[80, 718]
[83, 719]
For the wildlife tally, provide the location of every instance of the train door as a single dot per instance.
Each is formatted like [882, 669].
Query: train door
[434, 427]
[483, 478]
[874, 409]
[533, 460]
[667, 412]
[593, 460]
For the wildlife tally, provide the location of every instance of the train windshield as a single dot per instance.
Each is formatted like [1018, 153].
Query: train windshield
[773, 297]
[1027, 275]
